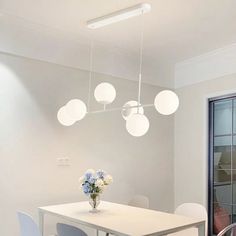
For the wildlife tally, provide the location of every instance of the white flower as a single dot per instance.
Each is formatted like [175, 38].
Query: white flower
[82, 179]
[108, 179]
[99, 183]
[90, 171]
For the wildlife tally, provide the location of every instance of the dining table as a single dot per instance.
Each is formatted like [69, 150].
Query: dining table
[120, 219]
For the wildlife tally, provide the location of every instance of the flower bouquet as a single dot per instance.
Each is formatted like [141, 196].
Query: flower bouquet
[93, 184]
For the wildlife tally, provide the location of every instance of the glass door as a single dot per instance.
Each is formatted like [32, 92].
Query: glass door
[222, 164]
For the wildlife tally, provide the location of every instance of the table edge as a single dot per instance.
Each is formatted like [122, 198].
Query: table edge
[90, 225]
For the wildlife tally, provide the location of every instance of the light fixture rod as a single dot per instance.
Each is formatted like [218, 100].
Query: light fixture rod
[120, 15]
[90, 75]
[140, 63]
[119, 108]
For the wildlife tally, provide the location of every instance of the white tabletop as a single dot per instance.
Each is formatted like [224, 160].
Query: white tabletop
[122, 219]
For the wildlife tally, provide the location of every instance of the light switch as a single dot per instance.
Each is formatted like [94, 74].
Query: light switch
[63, 161]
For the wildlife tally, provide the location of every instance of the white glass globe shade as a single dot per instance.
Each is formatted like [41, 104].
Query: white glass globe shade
[129, 111]
[76, 109]
[137, 125]
[105, 93]
[166, 102]
[64, 118]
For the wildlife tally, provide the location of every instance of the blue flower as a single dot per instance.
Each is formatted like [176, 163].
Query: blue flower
[101, 174]
[86, 188]
[91, 180]
[88, 175]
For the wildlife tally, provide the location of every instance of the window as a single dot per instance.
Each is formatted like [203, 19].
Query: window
[222, 163]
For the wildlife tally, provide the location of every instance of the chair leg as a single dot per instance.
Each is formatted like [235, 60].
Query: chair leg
[107, 234]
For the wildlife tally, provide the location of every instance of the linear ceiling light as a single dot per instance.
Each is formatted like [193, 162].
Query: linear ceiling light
[119, 16]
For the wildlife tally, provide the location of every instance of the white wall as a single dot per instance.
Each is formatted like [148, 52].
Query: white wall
[31, 139]
[191, 137]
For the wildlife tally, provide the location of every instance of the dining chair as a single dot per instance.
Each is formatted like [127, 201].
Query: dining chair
[69, 230]
[27, 225]
[229, 229]
[193, 210]
[139, 201]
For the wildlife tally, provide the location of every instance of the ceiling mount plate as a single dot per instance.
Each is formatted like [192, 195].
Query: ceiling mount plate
[120, 15]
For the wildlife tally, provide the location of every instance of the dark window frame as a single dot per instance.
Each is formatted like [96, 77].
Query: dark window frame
[211, 102]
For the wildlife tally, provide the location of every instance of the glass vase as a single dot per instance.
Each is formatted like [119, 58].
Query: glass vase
[94, 201]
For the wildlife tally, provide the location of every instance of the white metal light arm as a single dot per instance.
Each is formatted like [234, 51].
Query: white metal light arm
[119, 108]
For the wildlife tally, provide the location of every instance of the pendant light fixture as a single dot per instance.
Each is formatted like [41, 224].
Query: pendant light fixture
[137, 124]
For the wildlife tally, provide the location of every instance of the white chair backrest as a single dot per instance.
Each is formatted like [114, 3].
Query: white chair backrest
[193, 210]
[69, 230]
[27, 225]
[230, 228]
[139, 201]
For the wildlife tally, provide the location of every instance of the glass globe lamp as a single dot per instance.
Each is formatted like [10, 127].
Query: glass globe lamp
[64, 118]
[127, 112]
[137, 125]
[166, 102]
[105, 93]
[76, 109]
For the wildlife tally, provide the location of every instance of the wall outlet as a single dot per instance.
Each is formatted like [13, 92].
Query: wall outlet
[63, 161]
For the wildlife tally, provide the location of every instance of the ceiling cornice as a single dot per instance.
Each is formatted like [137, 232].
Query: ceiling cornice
[21, 37]
[211, 65]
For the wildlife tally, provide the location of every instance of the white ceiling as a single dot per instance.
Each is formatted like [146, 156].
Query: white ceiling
[174, 30]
